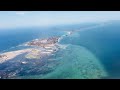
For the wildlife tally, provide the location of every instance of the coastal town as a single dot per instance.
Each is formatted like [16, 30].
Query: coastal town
[45, 48]
[47, 42]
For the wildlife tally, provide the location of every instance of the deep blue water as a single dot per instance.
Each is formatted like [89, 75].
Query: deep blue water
[14, 37]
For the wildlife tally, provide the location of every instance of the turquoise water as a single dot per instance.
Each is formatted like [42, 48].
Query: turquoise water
[78, 62]
[88, 54]
[75, 62]
[104, 43]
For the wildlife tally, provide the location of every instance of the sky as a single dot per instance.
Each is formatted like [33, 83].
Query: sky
[13, 19]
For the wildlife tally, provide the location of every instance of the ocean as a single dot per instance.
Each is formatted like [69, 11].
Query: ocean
[14, 38]
[92, 51]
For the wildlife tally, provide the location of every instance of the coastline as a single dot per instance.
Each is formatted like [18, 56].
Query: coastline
[45, 47]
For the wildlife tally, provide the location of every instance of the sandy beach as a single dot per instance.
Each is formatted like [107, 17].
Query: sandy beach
[10, 55]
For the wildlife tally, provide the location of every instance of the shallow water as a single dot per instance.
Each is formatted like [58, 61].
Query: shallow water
[74, 62]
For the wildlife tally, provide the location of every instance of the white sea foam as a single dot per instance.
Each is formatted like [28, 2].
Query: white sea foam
[61, 38]
[63, 46]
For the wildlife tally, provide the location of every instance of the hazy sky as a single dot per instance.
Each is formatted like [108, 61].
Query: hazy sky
[10, 19]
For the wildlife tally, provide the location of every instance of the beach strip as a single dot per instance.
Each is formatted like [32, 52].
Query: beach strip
[10, 55]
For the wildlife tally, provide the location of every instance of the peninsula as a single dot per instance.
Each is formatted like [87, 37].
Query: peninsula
[41, 48]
